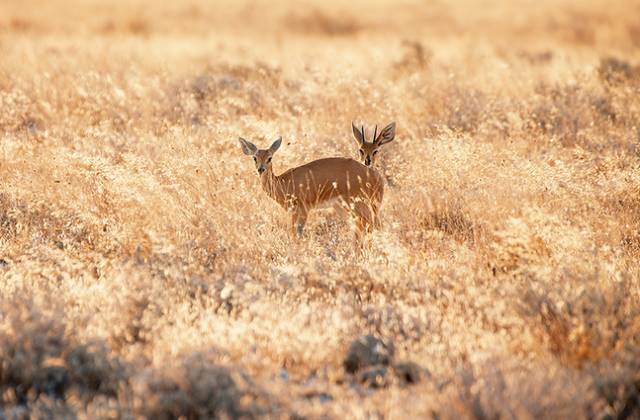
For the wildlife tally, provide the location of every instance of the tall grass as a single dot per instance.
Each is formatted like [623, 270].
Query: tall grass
[144, 273]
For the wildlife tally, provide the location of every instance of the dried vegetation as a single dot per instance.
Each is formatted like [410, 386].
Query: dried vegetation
[144, 274]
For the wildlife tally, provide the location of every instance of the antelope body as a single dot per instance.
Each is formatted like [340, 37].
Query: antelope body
[358, 188]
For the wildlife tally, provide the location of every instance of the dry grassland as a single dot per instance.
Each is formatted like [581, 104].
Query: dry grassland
[144, 273]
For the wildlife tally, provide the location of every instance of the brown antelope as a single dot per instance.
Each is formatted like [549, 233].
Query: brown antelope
[357, 188]
[369, 150]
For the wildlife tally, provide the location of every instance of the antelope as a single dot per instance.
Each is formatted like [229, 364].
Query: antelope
[298, 190]
[369, 150]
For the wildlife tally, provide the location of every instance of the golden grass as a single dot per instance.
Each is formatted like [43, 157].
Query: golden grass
[144, 273]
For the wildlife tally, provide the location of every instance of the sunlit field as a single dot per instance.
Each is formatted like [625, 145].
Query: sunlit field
[144, 273]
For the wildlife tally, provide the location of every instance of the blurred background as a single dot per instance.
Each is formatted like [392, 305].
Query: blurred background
[590, 24]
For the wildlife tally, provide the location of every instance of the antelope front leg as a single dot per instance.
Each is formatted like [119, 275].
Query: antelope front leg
[298, 220]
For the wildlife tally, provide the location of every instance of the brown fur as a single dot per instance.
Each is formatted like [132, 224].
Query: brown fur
[358, 188]
[369, 150]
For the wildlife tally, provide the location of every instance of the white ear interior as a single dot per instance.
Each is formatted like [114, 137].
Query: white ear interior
[276, 145]
[358, 134]
[247, 147]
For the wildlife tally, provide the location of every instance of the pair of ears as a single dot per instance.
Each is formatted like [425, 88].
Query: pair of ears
[251, 149]
[386, 135]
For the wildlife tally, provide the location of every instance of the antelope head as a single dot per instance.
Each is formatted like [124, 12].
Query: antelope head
[261, 157]
[369, 150]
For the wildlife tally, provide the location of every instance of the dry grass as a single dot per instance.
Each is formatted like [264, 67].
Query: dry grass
[143, 272]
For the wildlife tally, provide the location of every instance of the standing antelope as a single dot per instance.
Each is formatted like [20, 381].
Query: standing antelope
[368, 151]
[358, 188]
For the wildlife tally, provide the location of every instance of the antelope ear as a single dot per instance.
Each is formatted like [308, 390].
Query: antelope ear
[357, 134]
[248, 148]
[276, 145]
[386, 135]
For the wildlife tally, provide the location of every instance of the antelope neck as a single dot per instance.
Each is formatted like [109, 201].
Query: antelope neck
[270, 183]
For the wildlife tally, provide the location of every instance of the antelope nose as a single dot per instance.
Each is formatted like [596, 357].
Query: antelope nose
[367, 161]
[261, 170]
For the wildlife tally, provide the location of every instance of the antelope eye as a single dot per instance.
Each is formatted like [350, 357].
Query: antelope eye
[361, 152]
[254, 159]
[269, 160]
[375, 152]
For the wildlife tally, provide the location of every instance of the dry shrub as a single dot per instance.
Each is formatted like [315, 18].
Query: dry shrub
[20, 114]
[43, 408]
[568, 113]
[129, 327]
[450, 217]
[634, 34]
[615, 71]
[517, 246]
[591, 320]
[356, 285]
[617, 382]
[537, 58]
[139, 26]
[393, 321]
[625, 207]
[316, 22]
[465, 109]
[39, 356]
[229, 91]
[40, 223]
[21, 25]
[582, 33]
[197, 388]
[415, 58]
[441, 214]
[506, 388]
